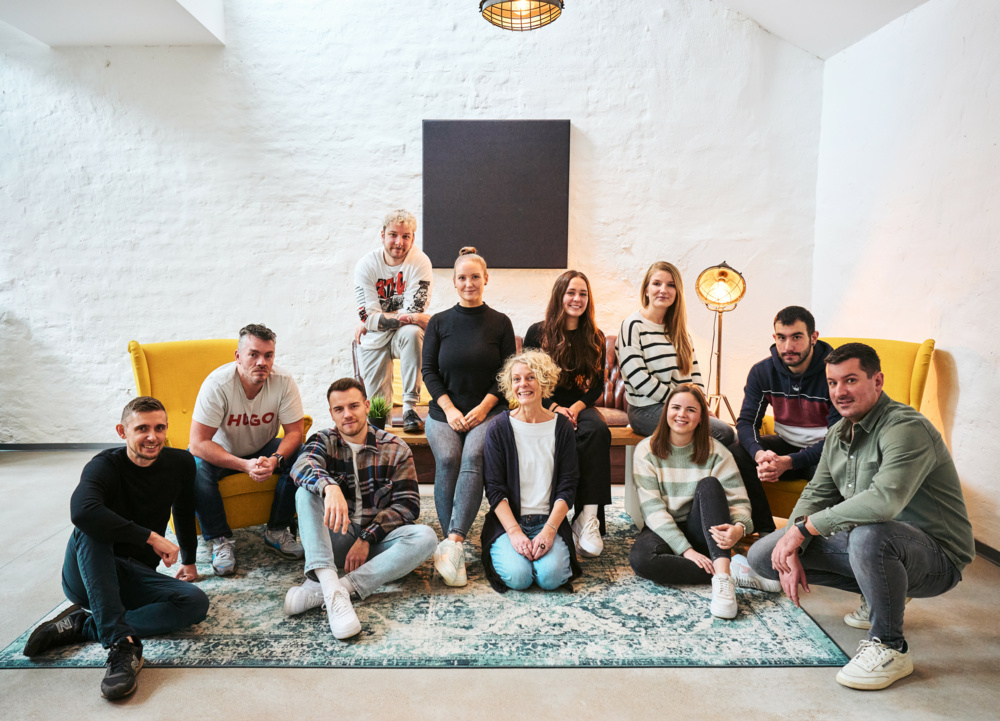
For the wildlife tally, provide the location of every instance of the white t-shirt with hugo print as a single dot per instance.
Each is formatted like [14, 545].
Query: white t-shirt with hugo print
[244, 425]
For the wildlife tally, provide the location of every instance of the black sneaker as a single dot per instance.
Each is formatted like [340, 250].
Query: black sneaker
[124, 663]
[64, 629]
[412, 422]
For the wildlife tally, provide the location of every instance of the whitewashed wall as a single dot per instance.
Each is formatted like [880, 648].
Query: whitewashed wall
[907, 228]
[170, 193]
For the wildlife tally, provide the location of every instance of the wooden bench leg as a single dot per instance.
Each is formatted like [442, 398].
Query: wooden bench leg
[631, 496]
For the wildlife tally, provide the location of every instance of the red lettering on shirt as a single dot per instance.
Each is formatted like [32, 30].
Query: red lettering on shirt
[268, 417]
[391, 286]
[233, 421]
[254, 420]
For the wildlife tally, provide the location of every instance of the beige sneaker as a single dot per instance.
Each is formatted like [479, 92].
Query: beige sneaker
[723, 596]
[449, 561]
[587, 536]
[875, 666]
[858, 618]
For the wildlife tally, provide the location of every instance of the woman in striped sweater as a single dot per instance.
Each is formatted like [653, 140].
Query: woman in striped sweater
[694, 505]
[655, 352]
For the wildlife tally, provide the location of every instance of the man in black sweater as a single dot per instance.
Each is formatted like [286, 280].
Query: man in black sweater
[120, 510]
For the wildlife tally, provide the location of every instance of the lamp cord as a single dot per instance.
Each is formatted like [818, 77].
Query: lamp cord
[712, 354]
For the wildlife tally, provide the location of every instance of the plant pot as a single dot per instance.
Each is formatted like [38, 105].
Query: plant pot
[379, 422]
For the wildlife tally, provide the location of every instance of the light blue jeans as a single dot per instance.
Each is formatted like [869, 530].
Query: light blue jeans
[458, 472]
[402, 550]
[550, 571]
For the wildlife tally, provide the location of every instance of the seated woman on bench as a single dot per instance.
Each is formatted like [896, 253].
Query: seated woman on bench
[531, 475]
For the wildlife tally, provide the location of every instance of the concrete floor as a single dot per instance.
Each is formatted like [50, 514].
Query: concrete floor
[954, 639]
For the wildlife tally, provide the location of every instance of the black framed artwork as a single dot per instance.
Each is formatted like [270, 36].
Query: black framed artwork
[499, 185]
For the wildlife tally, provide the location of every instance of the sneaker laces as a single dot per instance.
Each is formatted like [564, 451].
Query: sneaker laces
[724, 586]
[871, 653]
[223, 551]
[340, 602]
[591, 525]
[456, 554]
[120, 658]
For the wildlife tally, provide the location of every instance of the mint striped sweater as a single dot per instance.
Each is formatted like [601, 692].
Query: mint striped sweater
[666, 488]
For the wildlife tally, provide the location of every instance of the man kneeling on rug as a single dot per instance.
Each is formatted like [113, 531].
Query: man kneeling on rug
[357, 502]
[120, 510]
[883, 515]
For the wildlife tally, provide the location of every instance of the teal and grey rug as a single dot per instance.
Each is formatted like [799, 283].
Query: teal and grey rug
[612, 618]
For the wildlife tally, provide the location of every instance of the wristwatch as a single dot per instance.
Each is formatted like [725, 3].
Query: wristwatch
[800, 523]
[281, 460]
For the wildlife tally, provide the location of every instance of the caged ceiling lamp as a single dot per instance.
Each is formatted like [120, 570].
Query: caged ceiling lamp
[520, 15]
[720, 288]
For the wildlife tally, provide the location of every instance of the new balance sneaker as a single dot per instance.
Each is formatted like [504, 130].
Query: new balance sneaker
[412, 422]
[746, 577]
[587, 536]
[124, 664]
[875, 666]
[449, 560]
[859, 617]
[223, 556]
[64, 629]
[300, 599]
[282, 541]
[344, 621]
[723, 596]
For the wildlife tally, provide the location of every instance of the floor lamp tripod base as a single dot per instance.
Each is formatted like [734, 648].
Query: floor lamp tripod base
[715, 402]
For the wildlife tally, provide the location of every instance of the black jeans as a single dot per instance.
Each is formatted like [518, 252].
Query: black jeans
[763, 522]
[593, 451]
[651, 557]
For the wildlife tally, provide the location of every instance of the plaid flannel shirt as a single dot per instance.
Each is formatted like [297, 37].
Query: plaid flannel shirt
[388, 488]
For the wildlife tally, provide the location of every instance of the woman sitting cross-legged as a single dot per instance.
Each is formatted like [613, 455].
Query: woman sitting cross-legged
[693, 503]
[531, 475]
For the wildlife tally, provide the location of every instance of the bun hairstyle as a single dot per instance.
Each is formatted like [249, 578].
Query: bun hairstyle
[469, 253]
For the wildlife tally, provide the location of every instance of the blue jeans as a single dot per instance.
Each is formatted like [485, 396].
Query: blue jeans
[458, 473]
[644, 420]
[403, 549]
[208, 501]
[126, 597]
[550, 571]
[884, 561]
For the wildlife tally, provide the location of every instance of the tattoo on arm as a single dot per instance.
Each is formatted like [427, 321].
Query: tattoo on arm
[387, 323]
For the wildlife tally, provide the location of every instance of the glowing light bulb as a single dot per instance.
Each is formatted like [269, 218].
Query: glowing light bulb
[522, 6]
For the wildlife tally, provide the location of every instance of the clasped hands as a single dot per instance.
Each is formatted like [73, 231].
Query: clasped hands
[533, 548]
[338, 520]
[464, 423]
[260, 469]
[770, 465]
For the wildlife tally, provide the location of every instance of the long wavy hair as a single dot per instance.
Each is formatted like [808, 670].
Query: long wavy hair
[660, 444]
[581, 363]
[675, 321]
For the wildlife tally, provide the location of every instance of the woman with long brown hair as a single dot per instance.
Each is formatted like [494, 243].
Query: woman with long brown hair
[569, 335]
[656, 354]
[693, 505]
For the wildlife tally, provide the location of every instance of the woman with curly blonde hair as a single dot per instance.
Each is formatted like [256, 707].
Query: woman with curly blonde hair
[530, 476]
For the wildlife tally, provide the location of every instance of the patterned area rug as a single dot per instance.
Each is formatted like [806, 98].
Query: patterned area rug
[612, 619]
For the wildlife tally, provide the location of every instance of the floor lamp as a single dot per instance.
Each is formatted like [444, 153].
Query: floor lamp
[720, 288]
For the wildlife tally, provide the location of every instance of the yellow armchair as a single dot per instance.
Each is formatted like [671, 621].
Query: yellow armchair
[905, 366]
[173, 373]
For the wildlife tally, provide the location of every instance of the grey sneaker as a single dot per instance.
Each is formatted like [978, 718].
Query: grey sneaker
[223, 556]
[859, 617]
[746, 577]
[282, 542]
[123, 665]
[412, 422]
[300, 599]
[875, 666]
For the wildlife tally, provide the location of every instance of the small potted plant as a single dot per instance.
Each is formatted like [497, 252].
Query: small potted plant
[378, 411]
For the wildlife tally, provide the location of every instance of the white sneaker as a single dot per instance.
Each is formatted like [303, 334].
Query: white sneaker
[860, 617]
[449, 560]
[723, 596]
[344, 621]
[746, 577]
[587, 536]
[300, 599]
[875, 666]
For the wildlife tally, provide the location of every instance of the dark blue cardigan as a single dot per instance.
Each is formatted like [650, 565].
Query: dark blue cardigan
[502, 480]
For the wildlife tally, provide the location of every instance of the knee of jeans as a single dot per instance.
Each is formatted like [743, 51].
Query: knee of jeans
[709, 483]
[553, 570]
[864, 542]
[425, 539]
[305, 501]
[638, 559]
[759, 558]
[197, 602]
[517, 578]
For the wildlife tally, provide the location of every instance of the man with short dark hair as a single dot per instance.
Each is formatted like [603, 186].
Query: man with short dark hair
[793, 383]
[120, 511]
[392, 285]
[884, 515]
[234, 429]
[358, 503]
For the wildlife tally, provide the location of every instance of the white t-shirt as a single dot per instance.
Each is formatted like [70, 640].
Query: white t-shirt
[356, 511]
[536, 460]
[382, 288]
[244, 425]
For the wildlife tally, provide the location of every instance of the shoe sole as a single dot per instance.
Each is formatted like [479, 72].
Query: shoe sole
[285, 554]
[29, 650]
[343, 636]
[455, 580]
[223, 572]
[853, 622]
[135, 684]
[724, 615]
[867, 684]
[413, 429]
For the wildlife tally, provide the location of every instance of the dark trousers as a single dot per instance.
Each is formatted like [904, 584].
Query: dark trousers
[651, 557]
[208, 501]
[593, 451]
[886, 562]
[763, 522]
[126, 597]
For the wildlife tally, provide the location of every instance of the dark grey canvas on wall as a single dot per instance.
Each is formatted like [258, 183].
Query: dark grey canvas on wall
[500, 185]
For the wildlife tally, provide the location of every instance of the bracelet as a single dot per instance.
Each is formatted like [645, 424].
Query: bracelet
[552, 527]
[513, 525]
[743, 526]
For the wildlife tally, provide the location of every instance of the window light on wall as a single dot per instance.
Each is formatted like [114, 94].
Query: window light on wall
[520, 14]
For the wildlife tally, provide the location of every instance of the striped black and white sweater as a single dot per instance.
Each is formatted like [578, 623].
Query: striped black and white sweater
[649, 362]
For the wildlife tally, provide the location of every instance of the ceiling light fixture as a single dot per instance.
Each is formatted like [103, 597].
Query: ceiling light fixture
[520, 14]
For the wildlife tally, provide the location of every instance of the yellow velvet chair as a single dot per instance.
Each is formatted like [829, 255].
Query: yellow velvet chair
[905, 366]
[173, 374]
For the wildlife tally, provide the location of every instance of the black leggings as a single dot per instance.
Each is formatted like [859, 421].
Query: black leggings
[652, 558]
